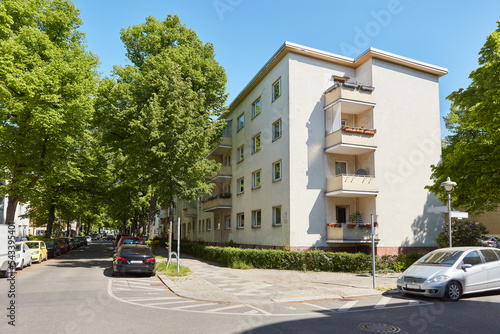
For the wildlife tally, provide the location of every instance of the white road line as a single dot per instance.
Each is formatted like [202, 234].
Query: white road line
[172, 302]
[382, 302]
[148, 299]
[230, 307]
[189, 306]
[258, 309]
[347, 306]
[320, 307]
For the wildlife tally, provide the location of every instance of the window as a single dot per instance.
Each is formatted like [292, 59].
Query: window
[241, 220]
[241, 153]
[189, 227]
[256, 218]
[227, 161]
[277, 89]
[209, 224]
[256, 143]
[473, 258]
[276, 215]
[343, 122]
[241, 185]
[217, 224]
[194, 226]
[256, 179]
[489, 255]
[277, 129]
[203, 225]
[277, 171]
[227, 188]
[228, 222]
[256, 108]
[199, 226]
[342, 213]
[241, 121]
[340, 168]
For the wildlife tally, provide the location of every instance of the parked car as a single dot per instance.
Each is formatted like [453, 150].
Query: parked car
[89, 239]
[53, 248]
[62, 245]
[74, 243]
[69, 244]
[110, 237]
[489, 241]
[132, 258]
[449, 273]
[117, 238]
[81, 241]
[23, 255]
[130, 240]
[38, 250]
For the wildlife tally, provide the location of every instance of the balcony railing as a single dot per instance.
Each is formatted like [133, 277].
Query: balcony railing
[347, 234]
[351, 141]
[349, 91]
[190, 212]
[216, 203]
[225, 173]
[342, 185]
[222, 147]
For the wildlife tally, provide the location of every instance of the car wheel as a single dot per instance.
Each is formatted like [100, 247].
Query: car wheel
[29, 264]
[46, 257]
[453, 291]
[22, 265]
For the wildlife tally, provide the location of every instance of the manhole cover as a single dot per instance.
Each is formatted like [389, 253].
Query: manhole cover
[380, 328]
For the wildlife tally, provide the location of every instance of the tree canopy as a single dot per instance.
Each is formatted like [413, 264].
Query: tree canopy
[471, 153]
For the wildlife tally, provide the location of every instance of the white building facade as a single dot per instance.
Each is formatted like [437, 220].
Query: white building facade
[316, 145]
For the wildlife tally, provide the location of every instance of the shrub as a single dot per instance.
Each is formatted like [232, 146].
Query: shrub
[463, 233]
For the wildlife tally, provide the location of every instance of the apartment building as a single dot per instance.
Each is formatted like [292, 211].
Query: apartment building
[317, 147]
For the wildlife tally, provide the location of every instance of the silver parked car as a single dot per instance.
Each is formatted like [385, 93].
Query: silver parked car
[450, 272]
[489, 241]
[23, 255]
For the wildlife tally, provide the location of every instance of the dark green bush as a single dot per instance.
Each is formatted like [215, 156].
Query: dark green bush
[315, 260]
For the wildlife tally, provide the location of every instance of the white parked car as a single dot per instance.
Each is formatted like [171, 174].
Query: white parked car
[89, 239]
[450, 272]
[23, 255]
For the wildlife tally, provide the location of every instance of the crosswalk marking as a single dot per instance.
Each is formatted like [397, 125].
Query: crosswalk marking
[382, 302]
[225, 308]
[347, 306]
[147, 299]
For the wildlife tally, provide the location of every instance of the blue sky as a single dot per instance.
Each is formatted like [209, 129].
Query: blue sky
[247, 33]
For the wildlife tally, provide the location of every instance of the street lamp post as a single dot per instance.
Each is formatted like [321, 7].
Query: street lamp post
[448, 185]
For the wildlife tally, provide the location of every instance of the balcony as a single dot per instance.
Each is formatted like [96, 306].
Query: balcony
[351, 141]
[358, 234]
[190, 212]
[216, 203]
[351, 186]
[223, 147]
[225, 173]
[350, 92]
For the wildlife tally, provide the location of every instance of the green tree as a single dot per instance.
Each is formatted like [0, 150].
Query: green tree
[159, 112]
[471, 154]
[47, 81]
[463, 233]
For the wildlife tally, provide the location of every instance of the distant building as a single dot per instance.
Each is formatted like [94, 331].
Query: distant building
[21, 224]
[316, 144]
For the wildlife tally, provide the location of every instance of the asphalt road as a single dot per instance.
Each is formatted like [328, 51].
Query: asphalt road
[75, 293]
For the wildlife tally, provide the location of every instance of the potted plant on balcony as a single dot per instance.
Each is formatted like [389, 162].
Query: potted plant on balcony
[354, 219]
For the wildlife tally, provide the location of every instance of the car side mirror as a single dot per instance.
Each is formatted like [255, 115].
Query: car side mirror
[466, 266]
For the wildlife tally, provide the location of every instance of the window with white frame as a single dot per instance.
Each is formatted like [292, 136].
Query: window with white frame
[227, 188]
[228, 222]
[241, 153]
[277, 89]
[209, 224]
[256, 218]
[241, 185]
[256, 143]
[241, 121]
[227, 161]
[277, 129]
[276, 215]
[277, 171]
[340, 168]
[256, 179]
[240, 217]
[217, 223]
[256, 108]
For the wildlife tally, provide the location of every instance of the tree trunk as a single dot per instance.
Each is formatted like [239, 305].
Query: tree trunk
[78, 223]
[134, 224]
[50, 221]
[152, 215]
[11, 210]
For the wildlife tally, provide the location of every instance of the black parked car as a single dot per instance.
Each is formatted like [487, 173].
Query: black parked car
[132, 258]
[53, 248]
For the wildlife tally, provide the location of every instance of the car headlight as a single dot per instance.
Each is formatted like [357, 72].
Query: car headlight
[438, 279]
[35, 252]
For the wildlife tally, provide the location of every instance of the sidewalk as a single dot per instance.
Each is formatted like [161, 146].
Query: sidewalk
[215, 283]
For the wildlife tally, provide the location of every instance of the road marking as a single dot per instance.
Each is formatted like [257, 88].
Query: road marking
[147, 299]
[347, 306]
[320, 307]
[382, 302]
[226, 308]
[189, 306]
[173, 302]
[258, 309]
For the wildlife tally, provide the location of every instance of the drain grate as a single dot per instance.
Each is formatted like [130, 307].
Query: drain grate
[380, 328]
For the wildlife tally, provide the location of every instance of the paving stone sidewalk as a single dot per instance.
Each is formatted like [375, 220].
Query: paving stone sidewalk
[215, 283]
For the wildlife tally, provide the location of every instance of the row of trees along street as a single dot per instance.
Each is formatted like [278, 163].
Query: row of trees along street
[103, 151]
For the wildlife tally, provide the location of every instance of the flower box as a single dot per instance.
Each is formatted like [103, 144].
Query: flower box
[351, 225]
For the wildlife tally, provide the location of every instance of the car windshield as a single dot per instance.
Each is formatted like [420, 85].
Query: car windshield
[446, 258]
[33, 244]
[132, 241]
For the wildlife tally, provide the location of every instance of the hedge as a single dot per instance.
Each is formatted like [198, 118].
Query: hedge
[315, 260]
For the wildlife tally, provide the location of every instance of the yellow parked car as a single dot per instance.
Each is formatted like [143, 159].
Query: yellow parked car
[38, 250]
